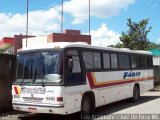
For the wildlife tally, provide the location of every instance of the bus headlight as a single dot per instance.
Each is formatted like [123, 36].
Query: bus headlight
[16, 96]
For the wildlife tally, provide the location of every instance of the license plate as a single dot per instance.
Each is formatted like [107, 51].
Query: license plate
[33, 110]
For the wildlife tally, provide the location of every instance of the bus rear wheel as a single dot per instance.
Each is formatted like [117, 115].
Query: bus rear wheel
[136, 94]
[86, 107]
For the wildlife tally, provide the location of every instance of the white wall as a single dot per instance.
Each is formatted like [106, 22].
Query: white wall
[156, 60]
[34, 41]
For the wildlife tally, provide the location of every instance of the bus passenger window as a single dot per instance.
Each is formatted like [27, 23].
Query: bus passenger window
[106, 60]
[114, 61]
[136, 61]
[97, 60]
[124, 61]
[88, 60]
[144, 61]
[149, 61]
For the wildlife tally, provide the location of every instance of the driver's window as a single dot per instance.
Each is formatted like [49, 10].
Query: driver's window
[73, 68]
[73, 55]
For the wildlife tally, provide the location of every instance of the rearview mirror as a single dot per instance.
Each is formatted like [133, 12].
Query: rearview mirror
[70, 64]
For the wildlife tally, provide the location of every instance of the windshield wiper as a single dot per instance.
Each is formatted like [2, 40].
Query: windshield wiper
[43, 81]
[22, 82]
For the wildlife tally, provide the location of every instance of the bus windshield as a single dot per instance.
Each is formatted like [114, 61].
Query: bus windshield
[38, 68]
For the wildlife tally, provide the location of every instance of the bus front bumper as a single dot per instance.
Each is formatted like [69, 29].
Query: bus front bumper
[40, 108]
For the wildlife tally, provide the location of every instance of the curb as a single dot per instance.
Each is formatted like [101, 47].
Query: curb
[155, 89]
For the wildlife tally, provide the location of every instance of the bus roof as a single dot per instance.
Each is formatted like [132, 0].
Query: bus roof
[81, 45]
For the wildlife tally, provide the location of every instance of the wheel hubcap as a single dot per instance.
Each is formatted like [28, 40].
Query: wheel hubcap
[86, 106]
[136, 94]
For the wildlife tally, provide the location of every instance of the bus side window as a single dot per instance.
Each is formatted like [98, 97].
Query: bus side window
[114, 61]
[106, 60]
[124, 61]
[136, 61]
[73, 73]
[149, 61]
[76, 64]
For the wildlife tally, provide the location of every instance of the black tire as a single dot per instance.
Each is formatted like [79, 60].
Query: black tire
[86, 106]
[136, 94]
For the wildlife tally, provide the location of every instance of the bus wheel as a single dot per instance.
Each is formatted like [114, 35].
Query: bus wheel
[86, 105]
[136, 94]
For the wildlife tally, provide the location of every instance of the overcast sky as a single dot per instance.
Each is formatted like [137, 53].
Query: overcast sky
[108, 17]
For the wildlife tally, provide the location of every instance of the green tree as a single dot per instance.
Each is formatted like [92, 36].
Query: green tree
[136, 36]
[152, 45]
[118, 45]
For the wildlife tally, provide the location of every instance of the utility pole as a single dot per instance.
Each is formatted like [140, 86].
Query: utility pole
[27, 24]
[89, 13]
[62, 18]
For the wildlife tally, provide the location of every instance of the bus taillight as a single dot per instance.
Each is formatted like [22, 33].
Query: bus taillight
[60, 99]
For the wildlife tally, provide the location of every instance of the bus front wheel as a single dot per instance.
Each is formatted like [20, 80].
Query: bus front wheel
[86, 105]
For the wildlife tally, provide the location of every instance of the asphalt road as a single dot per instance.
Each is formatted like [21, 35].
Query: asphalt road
[148, 107]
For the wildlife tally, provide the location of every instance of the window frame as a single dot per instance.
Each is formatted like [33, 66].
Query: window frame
[109, 60]
[129, 67]
[99, 67]
[92, 51]
[102, 69]
[65, 66]
[117, 60]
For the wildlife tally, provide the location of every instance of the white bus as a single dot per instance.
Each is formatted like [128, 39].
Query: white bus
[64, 79]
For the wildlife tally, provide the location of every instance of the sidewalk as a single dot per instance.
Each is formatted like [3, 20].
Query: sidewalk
[10, 112]
[157, 88]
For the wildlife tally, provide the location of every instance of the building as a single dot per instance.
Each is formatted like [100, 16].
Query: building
[156, 56]
[10, 45]
[67, 36]
[6, 45]
[156, 64]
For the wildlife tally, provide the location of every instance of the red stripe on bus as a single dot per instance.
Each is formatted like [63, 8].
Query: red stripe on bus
[90, 80]
[92, 85]
[15, 89]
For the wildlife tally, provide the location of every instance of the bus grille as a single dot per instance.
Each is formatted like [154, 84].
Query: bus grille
[32, 99]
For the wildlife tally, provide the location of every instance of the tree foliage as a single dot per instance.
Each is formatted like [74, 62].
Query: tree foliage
[152, 45]
[136, 36]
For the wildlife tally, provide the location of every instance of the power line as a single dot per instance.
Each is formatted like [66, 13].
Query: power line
[62, 18]
[89, 15]
[27, 22]
[2, 23]
[21, 27]
[39, 3]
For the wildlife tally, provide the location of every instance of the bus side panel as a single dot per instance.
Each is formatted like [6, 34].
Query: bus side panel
[113, 94]
[117, 85]
[108, 88]
[73, 95]
[149, 84]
